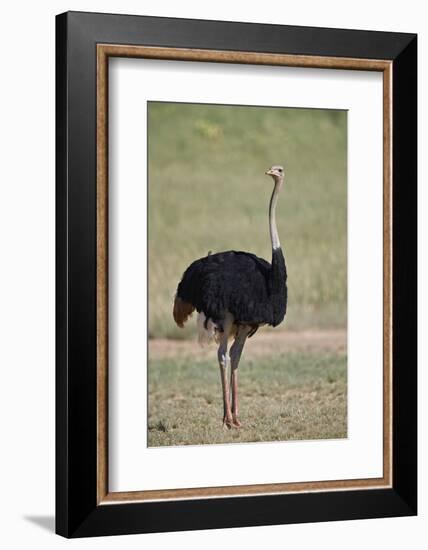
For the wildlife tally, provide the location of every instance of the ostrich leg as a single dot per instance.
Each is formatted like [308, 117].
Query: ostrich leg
[235, 356]
[222, 360]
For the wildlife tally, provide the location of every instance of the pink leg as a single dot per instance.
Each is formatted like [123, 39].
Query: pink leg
[234, 384]
[235, 356]
[227, 413]
[222, 360]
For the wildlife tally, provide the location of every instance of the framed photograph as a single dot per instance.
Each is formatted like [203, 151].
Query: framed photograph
[236, 274]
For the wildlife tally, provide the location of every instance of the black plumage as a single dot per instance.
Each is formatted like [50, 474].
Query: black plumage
[250, 288]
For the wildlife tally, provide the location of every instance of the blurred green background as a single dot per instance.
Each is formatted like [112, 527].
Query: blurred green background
[208, 191]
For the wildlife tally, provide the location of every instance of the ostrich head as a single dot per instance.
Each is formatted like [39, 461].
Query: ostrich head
[277, 172]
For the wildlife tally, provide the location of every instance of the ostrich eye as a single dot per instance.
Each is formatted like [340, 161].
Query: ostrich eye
[279, 169]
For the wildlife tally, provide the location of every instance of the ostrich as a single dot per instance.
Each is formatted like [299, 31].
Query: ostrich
[234, 294]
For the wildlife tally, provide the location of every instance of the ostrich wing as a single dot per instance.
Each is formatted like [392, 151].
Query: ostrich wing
[232, 281]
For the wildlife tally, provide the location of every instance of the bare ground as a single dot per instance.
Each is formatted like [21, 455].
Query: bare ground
[293, 385]
[261, 344]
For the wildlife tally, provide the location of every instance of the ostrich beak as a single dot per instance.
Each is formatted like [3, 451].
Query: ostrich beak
[269, 173]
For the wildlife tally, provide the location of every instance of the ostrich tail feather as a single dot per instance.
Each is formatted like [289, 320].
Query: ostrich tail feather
[182, 311]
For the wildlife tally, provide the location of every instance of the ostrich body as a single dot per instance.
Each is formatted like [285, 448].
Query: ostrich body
[235, 293]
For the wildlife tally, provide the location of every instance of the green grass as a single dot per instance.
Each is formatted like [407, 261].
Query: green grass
[208, 191]
[291, 396]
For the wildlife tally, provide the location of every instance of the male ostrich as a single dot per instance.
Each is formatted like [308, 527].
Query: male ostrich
[235, 293]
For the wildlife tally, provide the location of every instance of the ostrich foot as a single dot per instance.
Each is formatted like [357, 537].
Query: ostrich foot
[236, 423]
[228, 423]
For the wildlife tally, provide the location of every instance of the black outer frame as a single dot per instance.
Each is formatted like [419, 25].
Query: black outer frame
[77, 513]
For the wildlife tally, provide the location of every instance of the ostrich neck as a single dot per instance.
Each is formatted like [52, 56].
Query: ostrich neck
[272, 215]
[278, 272]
